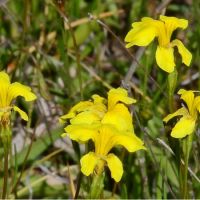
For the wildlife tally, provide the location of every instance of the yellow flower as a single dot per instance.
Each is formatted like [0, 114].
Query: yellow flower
[105, 137]
[88, 112]
[145, 31]
[8, 92]
[107, 123]
[186, 124]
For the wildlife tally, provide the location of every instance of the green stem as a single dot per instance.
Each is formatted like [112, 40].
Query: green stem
[186, 147]
[97, 186]
[172, 80]
[6, 140]
[5, 180]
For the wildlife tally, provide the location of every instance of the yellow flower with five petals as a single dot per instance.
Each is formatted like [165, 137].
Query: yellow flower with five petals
[8, 92]
[145, 31]
[186, 124]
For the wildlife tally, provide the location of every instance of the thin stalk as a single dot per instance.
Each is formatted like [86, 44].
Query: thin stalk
[5, 136]
[5, 179]
[97, 186]
[186, 147]
[172, 80]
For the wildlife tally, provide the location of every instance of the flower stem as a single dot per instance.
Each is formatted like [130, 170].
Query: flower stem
[5, 180]
[6, 140]
[186, 147]
[97, 186]
[172, 80]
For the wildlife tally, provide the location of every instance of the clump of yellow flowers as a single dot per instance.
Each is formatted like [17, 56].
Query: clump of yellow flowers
[145, 31]
[108, 123]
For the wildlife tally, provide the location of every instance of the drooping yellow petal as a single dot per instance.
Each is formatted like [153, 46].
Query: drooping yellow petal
[81, 133]
[115, 166]
[180, 112]
[165, 58]
[23, 115]
[4, 85]
[88, 163]
[129, 141]
[185, 54]
[118, 95]
[120, 117]
[185, 126]
[142, 32]
[172, 23]
[188, 97]
[17, 89]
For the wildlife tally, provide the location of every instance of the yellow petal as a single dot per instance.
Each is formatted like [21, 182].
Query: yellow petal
[4, 85]
[142, 33]
[185, 126]
[98, 99]
[165, 58]
[17, 89]
[81, 106]
[88, 163]
[86, 117]
[172, 23]
[188, 97]
[81, 133]
[185, 54]
[115, 166]
[120, 117]
[129, 141]
[179, 112]
[108, 137]
[23, 115]
[118, 95]
[197, 103]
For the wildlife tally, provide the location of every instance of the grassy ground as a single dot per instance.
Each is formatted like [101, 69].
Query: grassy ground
[66, 56]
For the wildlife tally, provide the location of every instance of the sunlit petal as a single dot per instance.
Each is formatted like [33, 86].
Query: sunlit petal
[120, 117]
[86, 117]
[185, 126]
[16, 89]
[165, 58]
[23, 115]
[88, 163]
[185, 54]
[118, 95]
[115, 166]
[197, 103]
[180, 112]
[142, 33]
[129, 141]
[188, 97]
[81, 133]
[98, 99]
[172, 23]
[4, 85]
